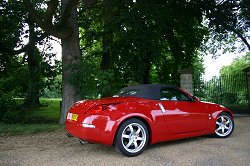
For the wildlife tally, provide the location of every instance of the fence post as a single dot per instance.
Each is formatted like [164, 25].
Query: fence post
[186, 80]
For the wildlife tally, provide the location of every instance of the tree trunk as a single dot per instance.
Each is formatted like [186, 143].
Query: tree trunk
[70, 55]
[107, 40]
[34, 59]
[32, 98]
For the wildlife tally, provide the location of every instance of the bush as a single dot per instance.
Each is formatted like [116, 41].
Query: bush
[7, 105]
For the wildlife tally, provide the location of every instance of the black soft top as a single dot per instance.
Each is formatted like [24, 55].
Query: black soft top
[148, 91]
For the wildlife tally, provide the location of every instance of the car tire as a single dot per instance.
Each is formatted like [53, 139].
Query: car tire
[224, 125]
[132, 137]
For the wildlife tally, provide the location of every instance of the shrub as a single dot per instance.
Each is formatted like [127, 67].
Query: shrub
[7, 105]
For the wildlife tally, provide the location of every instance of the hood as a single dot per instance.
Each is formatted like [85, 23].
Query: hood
[214, 106]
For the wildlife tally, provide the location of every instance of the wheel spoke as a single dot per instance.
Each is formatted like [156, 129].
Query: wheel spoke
[227, 122]
[138, 131]
[226, 127]
[222, 119]
[136, 145]
[131, 128]
[139, 138]
[125, 136]
[219, 128]
[218, 123]
[222, 130]
[129, 144]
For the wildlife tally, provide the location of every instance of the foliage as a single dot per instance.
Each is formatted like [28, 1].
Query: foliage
[236, 69]
[230, 88]
[149, 44]
[7, 103]
[25, 72]
[237, 66]
[88, 76]
[228, 23]
[54, 89]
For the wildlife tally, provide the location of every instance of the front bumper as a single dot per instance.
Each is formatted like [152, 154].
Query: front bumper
[93, 128]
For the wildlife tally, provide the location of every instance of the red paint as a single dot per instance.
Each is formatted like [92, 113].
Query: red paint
[181, 119]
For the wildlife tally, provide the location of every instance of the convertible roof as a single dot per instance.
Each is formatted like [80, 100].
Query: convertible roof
[149, 91]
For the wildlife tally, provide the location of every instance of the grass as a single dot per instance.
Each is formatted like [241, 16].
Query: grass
[50, 110]
[34, 120]
[16, 129]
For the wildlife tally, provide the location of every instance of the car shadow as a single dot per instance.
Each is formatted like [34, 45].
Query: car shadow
[178, 142]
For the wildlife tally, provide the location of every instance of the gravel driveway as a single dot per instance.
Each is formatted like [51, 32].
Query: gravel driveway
[56, 149]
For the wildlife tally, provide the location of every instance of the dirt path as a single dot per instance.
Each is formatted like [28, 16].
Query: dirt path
[56, 149]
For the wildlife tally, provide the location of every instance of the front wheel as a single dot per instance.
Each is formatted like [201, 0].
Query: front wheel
[132, 137]
[224, 125]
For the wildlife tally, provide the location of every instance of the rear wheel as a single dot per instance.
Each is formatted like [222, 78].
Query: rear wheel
[132, 137]
[224, 125]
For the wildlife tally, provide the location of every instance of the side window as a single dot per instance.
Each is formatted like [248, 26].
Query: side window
[171, 94]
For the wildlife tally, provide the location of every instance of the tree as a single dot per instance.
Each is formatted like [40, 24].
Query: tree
[237, 66]
[134, 38]
[144, 35]
[234, 77]
[230, 87]
[228, 21]
[29, 52]
[67, 30]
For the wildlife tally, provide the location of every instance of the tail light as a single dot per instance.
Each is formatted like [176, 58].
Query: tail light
[100, 108]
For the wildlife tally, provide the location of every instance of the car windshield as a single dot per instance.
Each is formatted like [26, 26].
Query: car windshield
[127, 92]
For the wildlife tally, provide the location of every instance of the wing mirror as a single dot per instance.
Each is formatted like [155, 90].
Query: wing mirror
[194, 98]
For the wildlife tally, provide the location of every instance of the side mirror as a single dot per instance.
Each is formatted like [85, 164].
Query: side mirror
[194, 98]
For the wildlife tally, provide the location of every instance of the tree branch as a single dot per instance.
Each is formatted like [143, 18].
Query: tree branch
[227, 27]
[52, 5]
[47, 25]
[24, 48]
[29, 6]
[11, 51]
[240, 36]
[234, 30]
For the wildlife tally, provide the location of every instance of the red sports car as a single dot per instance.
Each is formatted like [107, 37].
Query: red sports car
[146, 114]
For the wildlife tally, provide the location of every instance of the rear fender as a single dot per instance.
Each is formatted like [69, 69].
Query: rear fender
[152, 116]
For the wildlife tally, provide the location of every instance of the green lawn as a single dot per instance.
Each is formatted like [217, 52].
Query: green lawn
[50, 110]
[16, 129]
[42, 119]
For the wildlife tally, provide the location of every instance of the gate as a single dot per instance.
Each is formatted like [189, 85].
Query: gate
[230, 91]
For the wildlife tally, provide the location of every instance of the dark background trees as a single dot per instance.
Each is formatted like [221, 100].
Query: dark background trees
[109, 44]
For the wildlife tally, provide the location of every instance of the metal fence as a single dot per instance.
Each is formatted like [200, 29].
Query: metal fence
[228, 90]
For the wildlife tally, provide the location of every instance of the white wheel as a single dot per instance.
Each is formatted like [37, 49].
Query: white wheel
[224, 125]
[132, 137]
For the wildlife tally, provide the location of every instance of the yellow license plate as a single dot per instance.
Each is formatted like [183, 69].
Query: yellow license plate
[74, 117]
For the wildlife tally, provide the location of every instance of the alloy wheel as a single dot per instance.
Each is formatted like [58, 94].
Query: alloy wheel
[224, 125]
[133, 138]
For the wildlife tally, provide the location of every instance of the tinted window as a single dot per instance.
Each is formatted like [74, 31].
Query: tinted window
[172, 94]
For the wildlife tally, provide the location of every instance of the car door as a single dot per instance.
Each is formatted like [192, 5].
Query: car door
[182, 115]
